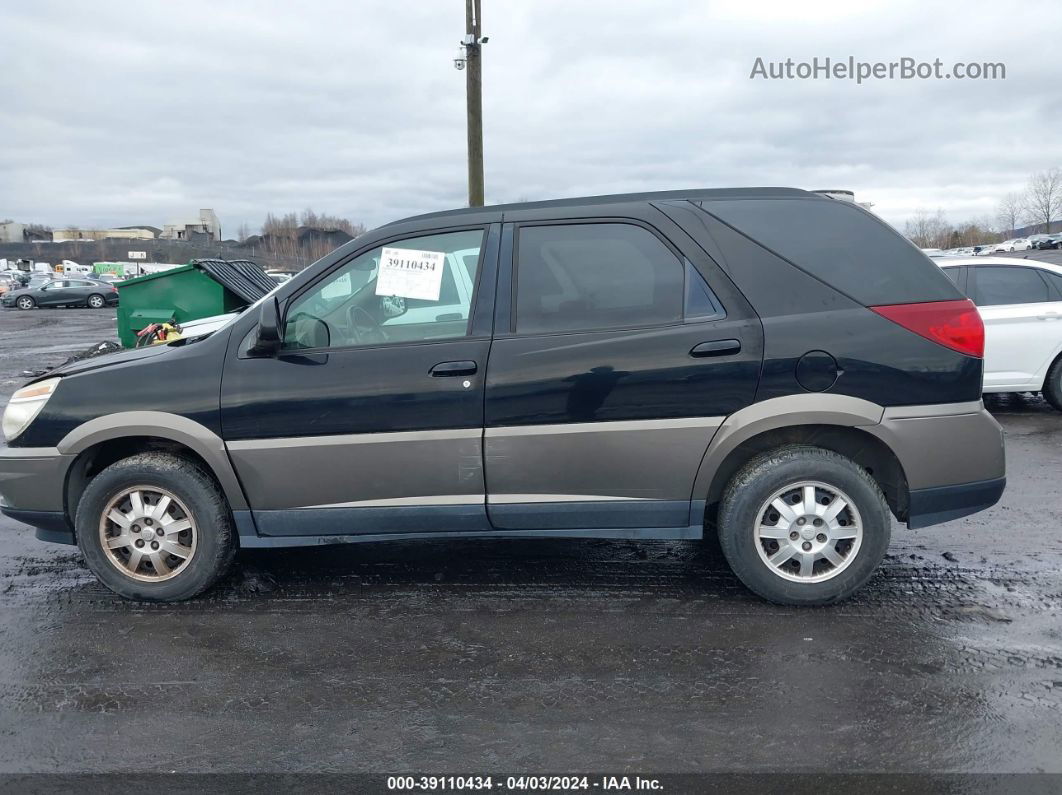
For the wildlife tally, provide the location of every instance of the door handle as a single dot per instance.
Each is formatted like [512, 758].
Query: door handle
[716, 348]
[1048, 316]
[446, 369]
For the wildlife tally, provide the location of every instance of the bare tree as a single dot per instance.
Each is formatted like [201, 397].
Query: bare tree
[932, 230]
[243, 231]
[75, 237]
[305, 237]
[1043, 198]
[1011, 208]
[927, 230]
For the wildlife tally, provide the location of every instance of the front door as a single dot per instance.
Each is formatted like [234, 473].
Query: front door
[54, 293]
[370, 420]
[618, 359]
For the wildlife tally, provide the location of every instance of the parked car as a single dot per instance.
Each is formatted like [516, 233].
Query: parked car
[63, 292]
[1049, 242]
[1020, 302]
[772, 366]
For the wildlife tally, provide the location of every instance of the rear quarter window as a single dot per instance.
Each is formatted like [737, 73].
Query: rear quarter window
[840, 244]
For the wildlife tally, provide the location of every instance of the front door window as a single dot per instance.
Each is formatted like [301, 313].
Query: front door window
[410, 290]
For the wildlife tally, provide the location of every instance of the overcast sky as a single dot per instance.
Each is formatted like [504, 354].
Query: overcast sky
[117, 113]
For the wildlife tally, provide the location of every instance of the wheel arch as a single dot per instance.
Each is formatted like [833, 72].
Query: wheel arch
[1051, 362]
[104, 440]
[833, 422]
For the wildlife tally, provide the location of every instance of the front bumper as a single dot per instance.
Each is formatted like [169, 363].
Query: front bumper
[32, 481]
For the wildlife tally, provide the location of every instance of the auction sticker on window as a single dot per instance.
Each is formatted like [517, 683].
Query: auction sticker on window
[408, 273]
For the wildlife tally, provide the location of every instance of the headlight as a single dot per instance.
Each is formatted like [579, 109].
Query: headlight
[25, 405]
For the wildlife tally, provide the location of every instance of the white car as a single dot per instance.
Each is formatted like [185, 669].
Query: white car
[1017, 244]
[1020, 302]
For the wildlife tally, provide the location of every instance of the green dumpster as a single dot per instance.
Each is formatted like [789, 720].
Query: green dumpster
[188, 292]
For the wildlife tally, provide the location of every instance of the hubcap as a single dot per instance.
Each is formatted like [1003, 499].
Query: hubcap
[24, 302]
[148, 534]
[808, 532]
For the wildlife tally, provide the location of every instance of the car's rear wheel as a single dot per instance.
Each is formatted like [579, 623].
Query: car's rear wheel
[803, 526]
[1052, 389]
[155, 527]
[96, 301]
[25, 302]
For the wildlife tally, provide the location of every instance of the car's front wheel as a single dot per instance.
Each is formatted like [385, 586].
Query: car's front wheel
[155, 527]
[803, 526]
[96, 301]
[25, 302]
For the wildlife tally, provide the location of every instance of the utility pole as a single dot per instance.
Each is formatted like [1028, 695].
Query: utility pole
[474, 100]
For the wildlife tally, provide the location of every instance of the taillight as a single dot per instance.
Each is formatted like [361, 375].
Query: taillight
[953, 324]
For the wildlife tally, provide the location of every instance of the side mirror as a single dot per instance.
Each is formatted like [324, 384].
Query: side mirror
[267, 336]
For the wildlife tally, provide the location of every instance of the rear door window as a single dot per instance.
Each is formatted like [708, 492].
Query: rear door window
[1001, 286]
[840, 244]
[574, 277]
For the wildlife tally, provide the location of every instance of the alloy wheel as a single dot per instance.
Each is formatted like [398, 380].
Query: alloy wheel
[808, 532]
[148, 533]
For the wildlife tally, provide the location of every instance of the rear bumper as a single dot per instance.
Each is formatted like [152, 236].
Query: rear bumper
[952, 456]
[942, 504]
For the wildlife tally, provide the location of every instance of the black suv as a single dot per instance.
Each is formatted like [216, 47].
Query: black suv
[774, 366]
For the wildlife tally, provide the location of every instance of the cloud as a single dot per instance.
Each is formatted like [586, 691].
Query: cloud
[137, 112]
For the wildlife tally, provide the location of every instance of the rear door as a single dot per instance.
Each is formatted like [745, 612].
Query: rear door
[80, 290]
[619, 348]
[1023, 324]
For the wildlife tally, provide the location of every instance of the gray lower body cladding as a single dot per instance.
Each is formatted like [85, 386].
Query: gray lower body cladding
[944, 445]
[645, 476]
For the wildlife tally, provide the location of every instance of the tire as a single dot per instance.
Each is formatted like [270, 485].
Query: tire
[204, 551]
[1052, 389]
[857, 538]
[96, 301]
[25, 302]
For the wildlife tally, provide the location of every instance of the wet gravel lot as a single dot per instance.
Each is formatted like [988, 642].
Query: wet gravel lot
[542, 656]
